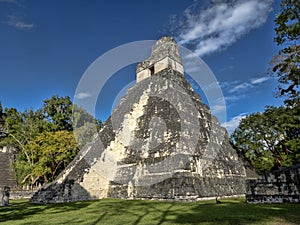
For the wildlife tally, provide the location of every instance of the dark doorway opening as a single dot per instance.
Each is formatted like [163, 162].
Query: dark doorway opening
[151, 70]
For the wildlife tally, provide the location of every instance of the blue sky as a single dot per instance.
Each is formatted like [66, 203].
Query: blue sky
[46, 46]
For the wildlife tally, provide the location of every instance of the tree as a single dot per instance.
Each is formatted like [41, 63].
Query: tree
[286, 62]
[85, 125]
[50, 153]
[22, 127]
[2, 117]
[43, 140]
[270, 140]
[58, 113]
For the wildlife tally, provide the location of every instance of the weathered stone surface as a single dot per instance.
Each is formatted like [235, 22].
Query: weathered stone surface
[164, 55]
[277, 187]
[161, 142]
[5, 196]
[7, 176]
[21, 194]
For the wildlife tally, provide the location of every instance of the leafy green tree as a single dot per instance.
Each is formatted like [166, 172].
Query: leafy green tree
[20, 129]
[1, 114]
[2, 120]
[270, 140]
[81, 116]
[43, 140]
[50, 153]
[2, 117]
[286, 62]
[58, 113]
[85, 125]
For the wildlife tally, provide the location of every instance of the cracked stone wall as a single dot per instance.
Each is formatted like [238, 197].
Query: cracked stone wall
[277, 187]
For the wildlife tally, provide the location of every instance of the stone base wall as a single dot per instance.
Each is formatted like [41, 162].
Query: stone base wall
[14, 195]
[185, 187]
[181, 187]
[68, 191]
[276, 187]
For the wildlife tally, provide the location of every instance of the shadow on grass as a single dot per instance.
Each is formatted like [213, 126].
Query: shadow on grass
[239, 212]
[138, 212]
[20, 210]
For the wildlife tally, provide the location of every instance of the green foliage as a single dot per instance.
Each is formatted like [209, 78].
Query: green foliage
[270, 140]
[50, 153]
[1, 116]
[286, 62]
[288, 22]
[2, 120]
[81, 116]
[21, 127]
[43, 139]
[85, 125]
[58, 112]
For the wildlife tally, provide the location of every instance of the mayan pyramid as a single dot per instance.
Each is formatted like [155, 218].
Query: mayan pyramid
[161, 142]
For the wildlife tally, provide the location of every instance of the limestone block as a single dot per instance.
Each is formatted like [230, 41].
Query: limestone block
[143, 74]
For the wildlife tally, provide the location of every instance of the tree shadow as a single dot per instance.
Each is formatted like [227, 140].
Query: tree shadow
[138, 212]
[239, 212]
[24, 209]
[165, 213]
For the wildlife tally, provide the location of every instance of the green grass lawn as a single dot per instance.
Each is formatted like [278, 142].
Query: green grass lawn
[113, 211]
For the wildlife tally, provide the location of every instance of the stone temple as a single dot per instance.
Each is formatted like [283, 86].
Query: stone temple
[161, 142]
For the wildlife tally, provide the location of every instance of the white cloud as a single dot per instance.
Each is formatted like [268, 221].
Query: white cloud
[233, 98]
[232, 124]
[83, 95]
[17, 23]
[259, 80]
[228, 84]
[236, 90]
[240, 87]
[223, 23]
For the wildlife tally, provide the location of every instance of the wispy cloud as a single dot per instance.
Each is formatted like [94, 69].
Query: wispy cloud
[83, 95]
[240, 87]
[232, 124]
[221, 24]
[236, 90]
[233, 98]
[17, 23]
[15, 18]
[259, 80]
